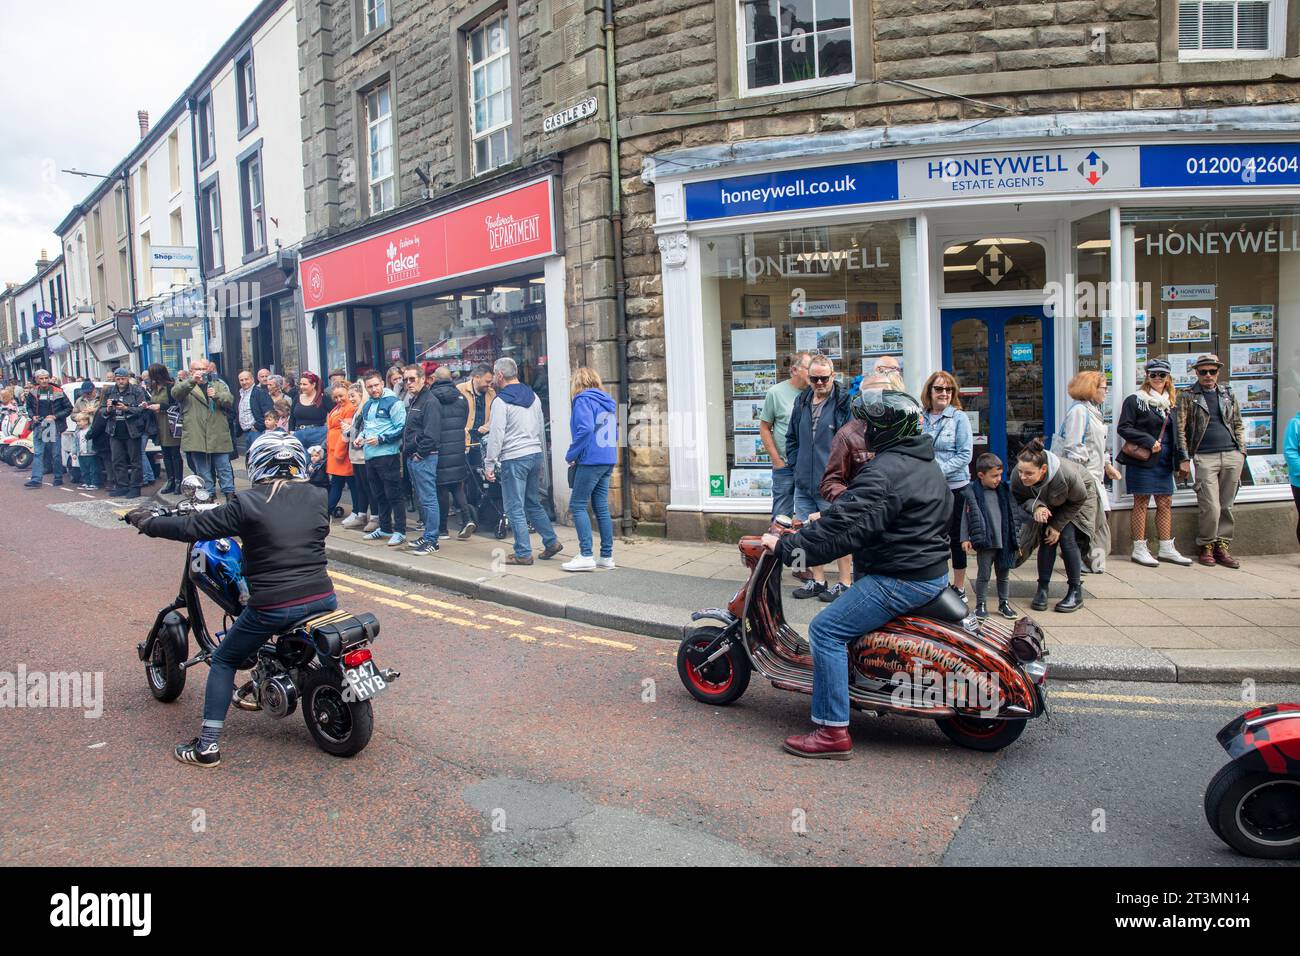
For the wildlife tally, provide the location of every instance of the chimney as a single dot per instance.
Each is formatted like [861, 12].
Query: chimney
[143, 117]
[43, 262]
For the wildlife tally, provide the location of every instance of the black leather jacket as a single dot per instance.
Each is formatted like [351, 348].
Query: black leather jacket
[893, 518]
[283, 538]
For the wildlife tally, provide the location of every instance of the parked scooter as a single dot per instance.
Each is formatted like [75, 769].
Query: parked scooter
[323, 660]
[981, 681]
[1253, 803]
[16, 440]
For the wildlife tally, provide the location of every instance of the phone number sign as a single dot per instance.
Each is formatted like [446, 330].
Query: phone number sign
[1221, 164]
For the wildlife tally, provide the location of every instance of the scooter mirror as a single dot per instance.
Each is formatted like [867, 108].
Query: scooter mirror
[783, 520]
[192, 487]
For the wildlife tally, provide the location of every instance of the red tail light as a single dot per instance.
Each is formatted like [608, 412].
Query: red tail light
[356, 658]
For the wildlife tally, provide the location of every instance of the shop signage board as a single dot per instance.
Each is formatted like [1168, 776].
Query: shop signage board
[44, 320]
[511, 227]
[1177, 293]
[1221, 164]
[1028, 172]
[785, 190]
[174, 257]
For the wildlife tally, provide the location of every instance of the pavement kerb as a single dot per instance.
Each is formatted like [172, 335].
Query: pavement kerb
[1066, 662]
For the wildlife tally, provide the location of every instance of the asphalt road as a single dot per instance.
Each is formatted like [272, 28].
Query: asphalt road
[517, 739]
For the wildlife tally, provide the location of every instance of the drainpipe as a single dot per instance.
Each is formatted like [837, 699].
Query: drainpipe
[620, 282]
[192, 105]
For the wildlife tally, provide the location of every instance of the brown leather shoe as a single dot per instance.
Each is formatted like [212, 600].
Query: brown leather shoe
[801, 575]
[552, 551]
[1223, 556]
[515, 559]
[827, 743]
[1205, 555]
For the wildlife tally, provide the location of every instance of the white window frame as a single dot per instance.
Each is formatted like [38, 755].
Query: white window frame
[1276, 36]
[742, 61]
[207, 131]
[174, 162]
[253, 198]
[374, 16]
[246, 88]
[502, 18]
[374, 122]
[212, 202]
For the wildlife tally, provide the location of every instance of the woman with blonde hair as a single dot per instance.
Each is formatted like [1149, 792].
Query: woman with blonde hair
[948, 426]
[1146, 423]
[592, 453]
[1082, 439]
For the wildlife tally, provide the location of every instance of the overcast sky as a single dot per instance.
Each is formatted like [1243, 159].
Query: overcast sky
[75, 73]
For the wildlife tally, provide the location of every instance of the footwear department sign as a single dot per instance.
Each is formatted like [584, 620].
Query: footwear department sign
[1073, 172]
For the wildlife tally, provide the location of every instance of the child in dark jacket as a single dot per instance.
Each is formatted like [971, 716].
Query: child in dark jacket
[995, 538]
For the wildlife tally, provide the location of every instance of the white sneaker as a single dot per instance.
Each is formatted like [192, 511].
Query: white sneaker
[354, 520]
[1142, 555]
[1169, 553]
[606, 563]
[372, 525]
[583, 562]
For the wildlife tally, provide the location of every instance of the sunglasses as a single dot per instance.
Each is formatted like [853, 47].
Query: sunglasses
[1207, 371]
[819, 379]
[1157, 374]
[941, 388]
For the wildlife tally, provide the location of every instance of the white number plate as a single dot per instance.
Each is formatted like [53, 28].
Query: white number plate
[364, 682]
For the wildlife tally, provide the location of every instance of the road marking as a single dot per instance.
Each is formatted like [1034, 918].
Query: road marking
[359, 582]
[503, 620]
[603, 641]
[547, 630]
[1142, 699]
[344, 589]
[442, 604]
[1117, 712]
[84, 495]
[526, 638]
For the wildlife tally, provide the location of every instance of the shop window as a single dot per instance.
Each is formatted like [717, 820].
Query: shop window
[287, 329]
[363, 338]
[1224, 281]
[1091, 303]
[335, 338]
[847, 292]
[488, 49]
[994, 264]
[1230, 29]
[793, 44]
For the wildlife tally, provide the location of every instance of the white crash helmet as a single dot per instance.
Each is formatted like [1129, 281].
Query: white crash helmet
[276, 455]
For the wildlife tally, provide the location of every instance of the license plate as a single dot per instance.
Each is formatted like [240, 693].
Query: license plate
[363, 682]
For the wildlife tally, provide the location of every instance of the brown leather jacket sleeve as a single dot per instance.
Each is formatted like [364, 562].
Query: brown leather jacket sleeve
[848, 454]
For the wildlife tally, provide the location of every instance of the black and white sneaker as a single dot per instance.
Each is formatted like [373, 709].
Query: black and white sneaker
[466, 532]
[832, 592]
[191, 753]
[425, 546]
[809, 589]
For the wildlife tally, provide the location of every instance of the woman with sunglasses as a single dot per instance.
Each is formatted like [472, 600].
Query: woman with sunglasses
[1147, 420]
[949, 428]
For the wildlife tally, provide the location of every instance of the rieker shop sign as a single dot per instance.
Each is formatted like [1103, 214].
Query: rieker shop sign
[510, 227]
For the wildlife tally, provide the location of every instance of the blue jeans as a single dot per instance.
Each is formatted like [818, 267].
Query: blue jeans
[806, 504]
[872, 602]
[89, 468]
[38, 455]
[146, 466]
[424, 481]
[783, 491]
[337, 484]
[591, 484]
[208, 464]
[521, 480]
[246, 635]
[311, 435]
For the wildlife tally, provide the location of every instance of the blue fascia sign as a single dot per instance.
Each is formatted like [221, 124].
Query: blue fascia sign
[1188, 164]
[786, 190]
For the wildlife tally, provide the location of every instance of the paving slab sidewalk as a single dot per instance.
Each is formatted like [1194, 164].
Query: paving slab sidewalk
[1169, 623]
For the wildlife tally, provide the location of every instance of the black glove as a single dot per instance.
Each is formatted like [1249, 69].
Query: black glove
[139, 518]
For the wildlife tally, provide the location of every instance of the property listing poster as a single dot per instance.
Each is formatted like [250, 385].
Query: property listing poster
[753, 362]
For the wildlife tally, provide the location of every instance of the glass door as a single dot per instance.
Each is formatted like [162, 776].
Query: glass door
[1003, 360]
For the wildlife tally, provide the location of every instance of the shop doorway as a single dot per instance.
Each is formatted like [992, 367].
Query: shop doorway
[1003, 358]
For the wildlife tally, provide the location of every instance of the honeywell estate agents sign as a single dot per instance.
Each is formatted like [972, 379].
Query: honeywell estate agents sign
[510, 227]
[1019, 173]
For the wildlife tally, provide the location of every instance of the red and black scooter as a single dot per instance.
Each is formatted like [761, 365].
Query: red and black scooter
[981, 681]
[1253, 803]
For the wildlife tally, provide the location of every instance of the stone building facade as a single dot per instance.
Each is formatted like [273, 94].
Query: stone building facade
[936, 79]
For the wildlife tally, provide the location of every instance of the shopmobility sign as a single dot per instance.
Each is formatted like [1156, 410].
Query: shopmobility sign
[510, 227]
[1019, 173]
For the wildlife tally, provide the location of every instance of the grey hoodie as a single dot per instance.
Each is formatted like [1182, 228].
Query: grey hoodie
[516, 431]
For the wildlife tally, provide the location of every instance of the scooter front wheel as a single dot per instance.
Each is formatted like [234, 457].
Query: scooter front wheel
[1255, 813]
[719, 682]
[979, 734]
[163, 669]
[20, 459]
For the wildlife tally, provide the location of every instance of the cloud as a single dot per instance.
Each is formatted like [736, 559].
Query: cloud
[76, 72]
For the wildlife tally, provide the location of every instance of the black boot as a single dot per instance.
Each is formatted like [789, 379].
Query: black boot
[1040, 598]
[981, 611]
[1004, 608]
[1073, 599]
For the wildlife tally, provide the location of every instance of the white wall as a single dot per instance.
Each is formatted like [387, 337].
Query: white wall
[76, 266]
[155, 216]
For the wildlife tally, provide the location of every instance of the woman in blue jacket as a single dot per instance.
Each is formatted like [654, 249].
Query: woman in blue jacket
[1291, 446]
[949, 427]
[591, 457]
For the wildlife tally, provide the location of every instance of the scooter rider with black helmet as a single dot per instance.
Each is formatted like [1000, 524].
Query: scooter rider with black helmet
[281, 523]
[894, 519]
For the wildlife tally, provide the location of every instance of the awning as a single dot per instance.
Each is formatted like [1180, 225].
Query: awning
[57, 344]
[106, 344]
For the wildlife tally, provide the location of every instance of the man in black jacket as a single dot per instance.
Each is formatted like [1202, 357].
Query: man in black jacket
[894, 519]
[48, 408]
[282, 523]
[420, 439]
[125, 409]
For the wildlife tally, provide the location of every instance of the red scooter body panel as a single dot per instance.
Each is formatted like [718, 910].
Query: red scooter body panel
[1266, 739]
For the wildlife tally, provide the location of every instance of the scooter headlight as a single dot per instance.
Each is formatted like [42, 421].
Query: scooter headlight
[1036, 670]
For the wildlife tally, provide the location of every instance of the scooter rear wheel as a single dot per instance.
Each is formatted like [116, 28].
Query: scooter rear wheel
[1255, 813]
[979, 734]
[339, 726]
[20, 459]
[720, 682]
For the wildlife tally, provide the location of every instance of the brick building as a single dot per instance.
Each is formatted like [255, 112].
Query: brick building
[946, 181]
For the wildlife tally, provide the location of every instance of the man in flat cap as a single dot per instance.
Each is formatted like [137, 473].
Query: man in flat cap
[1211, 436]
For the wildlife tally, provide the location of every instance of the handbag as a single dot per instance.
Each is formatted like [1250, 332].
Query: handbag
[174, 424]
[1137, 452]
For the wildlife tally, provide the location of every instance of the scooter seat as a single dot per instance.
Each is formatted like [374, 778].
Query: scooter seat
[948, 606]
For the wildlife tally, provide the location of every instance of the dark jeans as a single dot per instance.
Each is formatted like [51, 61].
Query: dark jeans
[172, 460]
[954, 532]
[246, 635]
[1295, 493]
[387, 503]
[127, 470]
[1070, 555]
[337, 483]
[361, 503]
[986, 559]
[446, 495]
